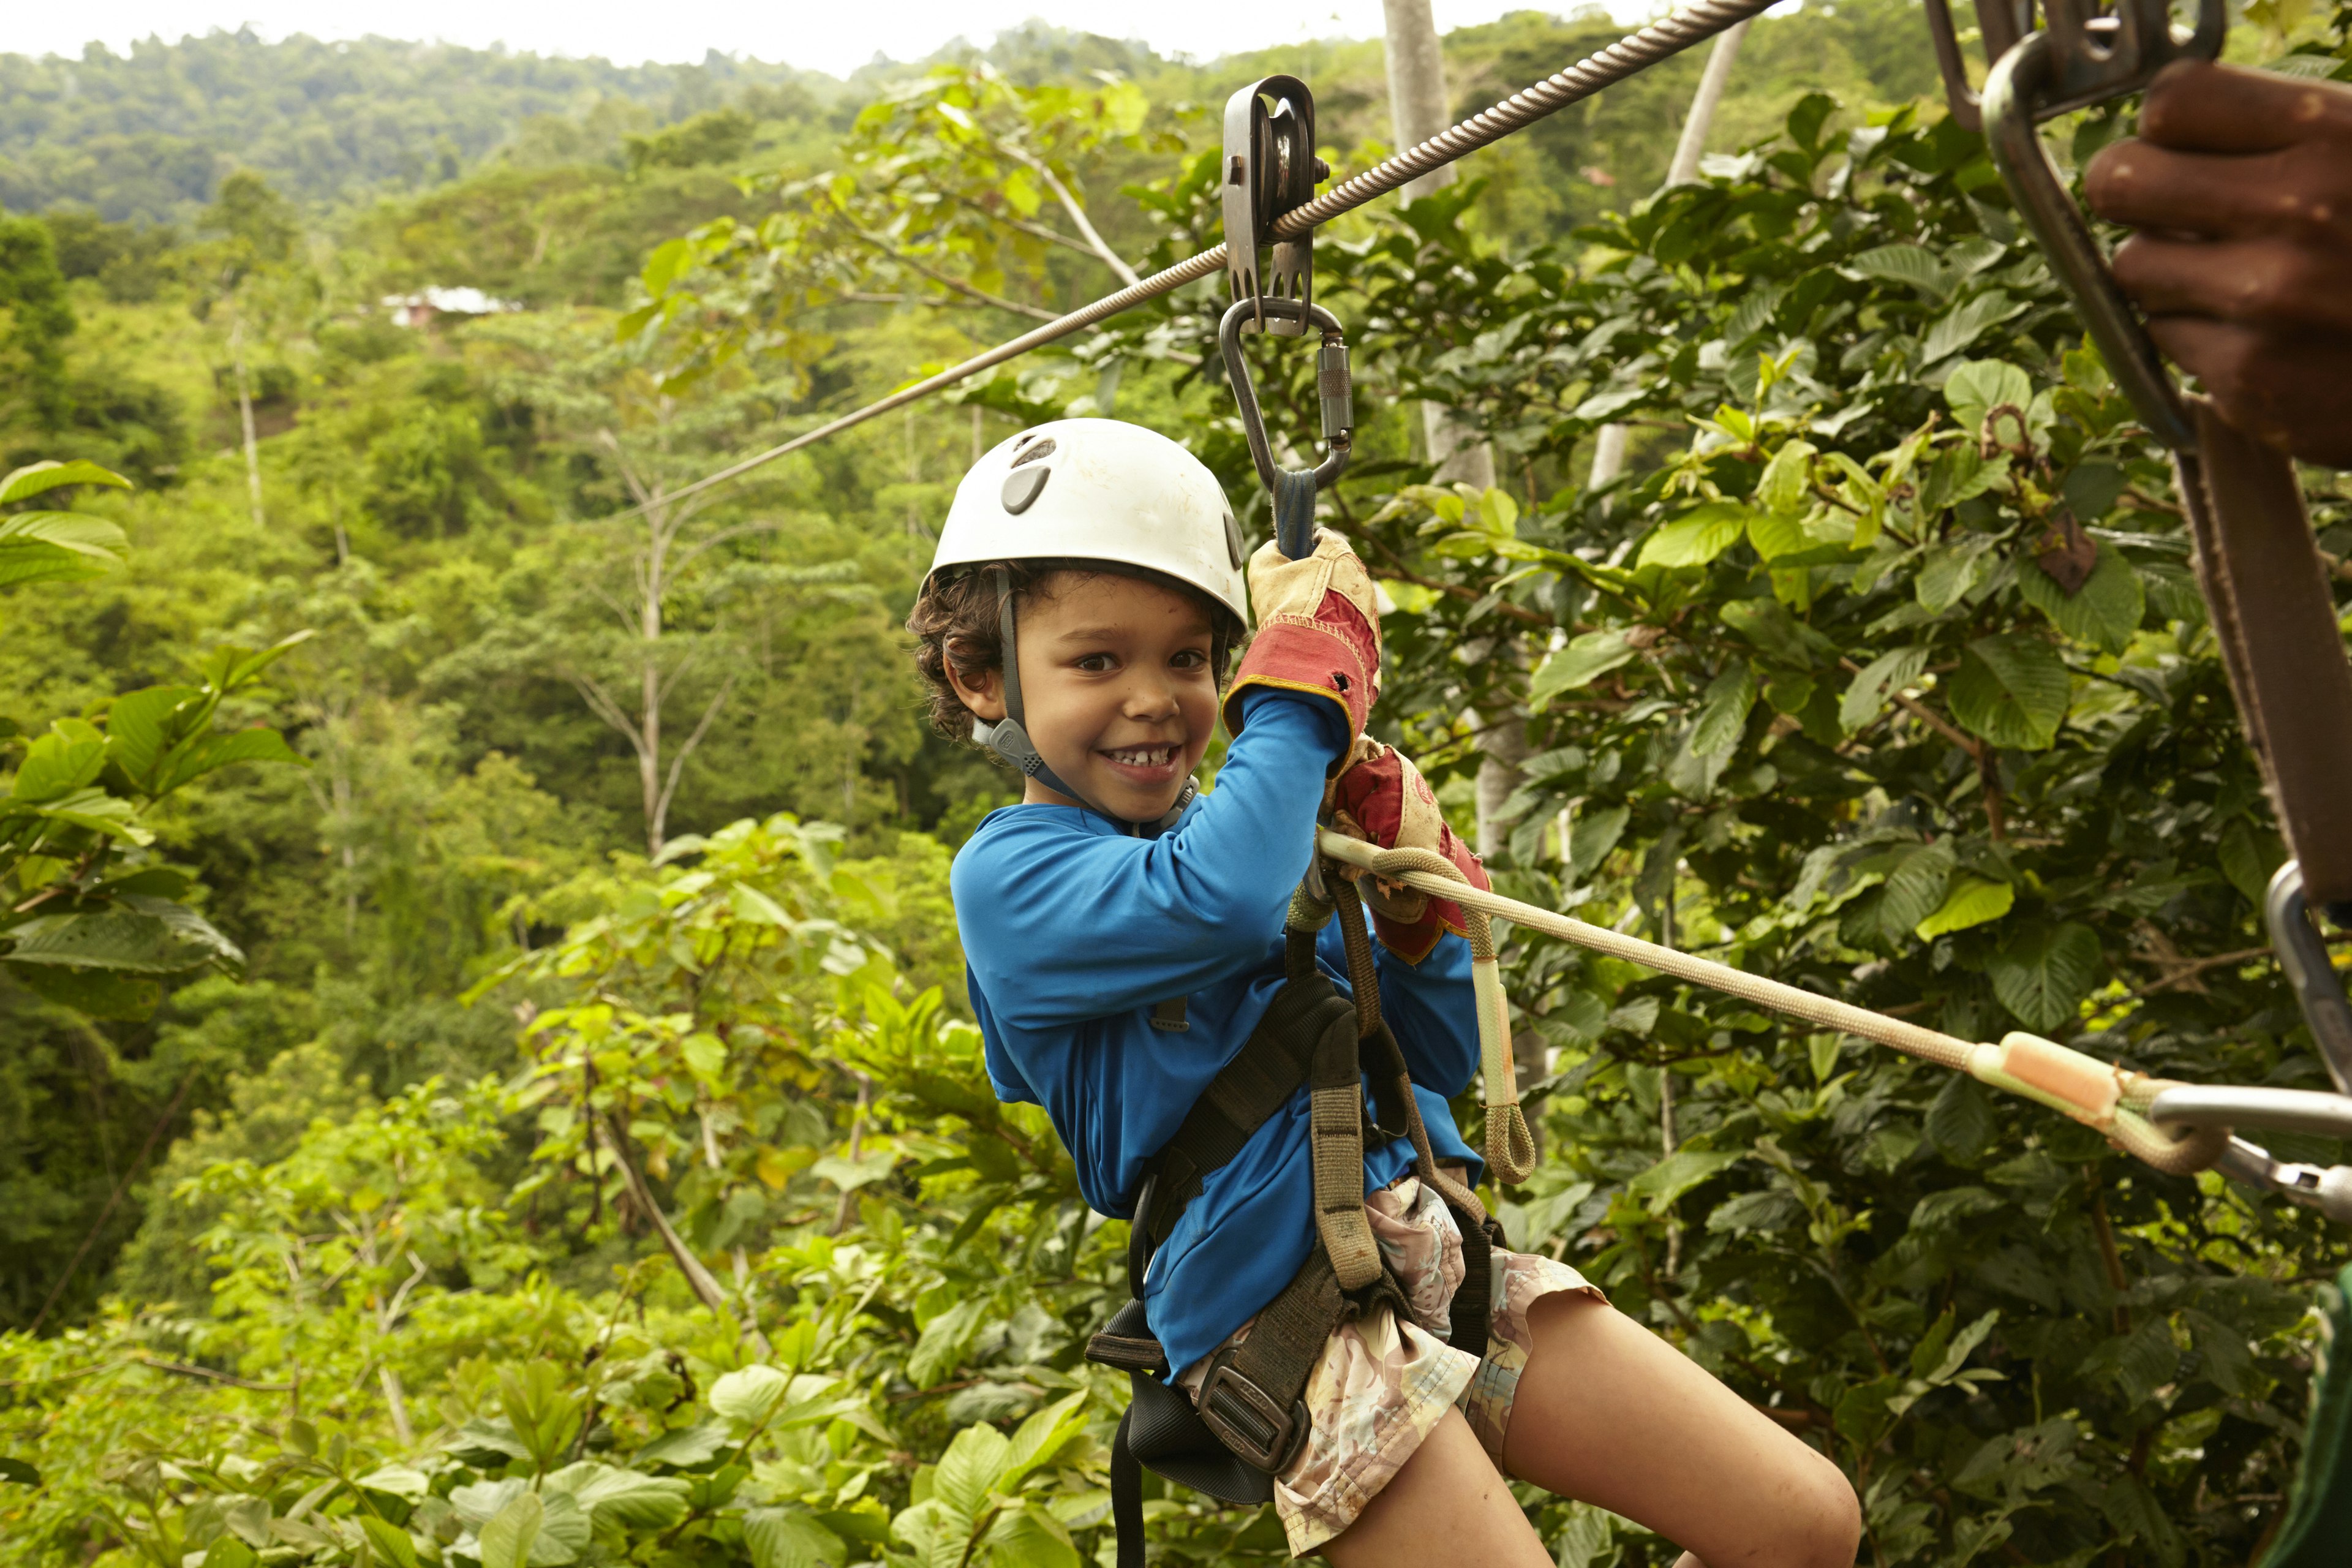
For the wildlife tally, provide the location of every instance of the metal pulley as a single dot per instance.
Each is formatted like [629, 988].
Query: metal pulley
[1270, 169]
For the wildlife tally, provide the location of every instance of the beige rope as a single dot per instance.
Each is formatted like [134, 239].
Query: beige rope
[2097, 1094]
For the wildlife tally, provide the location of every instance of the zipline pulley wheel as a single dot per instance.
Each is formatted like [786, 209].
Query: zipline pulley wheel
[1270, 168]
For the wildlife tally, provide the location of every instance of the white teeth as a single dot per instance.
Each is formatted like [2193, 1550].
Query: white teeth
[1144, 756]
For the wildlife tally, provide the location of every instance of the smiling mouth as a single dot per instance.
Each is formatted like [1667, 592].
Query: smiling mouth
[1150, 758]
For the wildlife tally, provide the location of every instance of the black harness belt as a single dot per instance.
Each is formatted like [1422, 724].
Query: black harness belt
[1250, 1420]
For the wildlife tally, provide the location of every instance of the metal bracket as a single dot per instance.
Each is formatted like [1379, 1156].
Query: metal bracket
[2083, 56]
[1270, 168]
[2303, 958]
[2327, 1188]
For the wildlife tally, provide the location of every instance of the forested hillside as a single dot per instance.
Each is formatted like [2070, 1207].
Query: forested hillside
[148, 136]
[572, 1131]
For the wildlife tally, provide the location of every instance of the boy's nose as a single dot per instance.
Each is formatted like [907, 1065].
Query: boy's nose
[1150, 696]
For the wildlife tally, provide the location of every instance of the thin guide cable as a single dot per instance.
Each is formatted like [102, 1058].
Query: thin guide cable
[1628, 56]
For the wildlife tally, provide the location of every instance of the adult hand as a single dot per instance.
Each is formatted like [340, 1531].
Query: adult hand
[2240, 183]
[1380, 797]
[1318, 630]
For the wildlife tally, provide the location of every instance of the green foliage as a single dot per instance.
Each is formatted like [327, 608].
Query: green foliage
[1881, 670]
[89, 921]
[145, 136]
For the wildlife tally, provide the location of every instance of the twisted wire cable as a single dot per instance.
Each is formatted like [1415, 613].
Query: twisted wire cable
[1628, 56]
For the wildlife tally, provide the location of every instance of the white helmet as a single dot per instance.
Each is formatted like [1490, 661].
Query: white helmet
[1089, 492]
[1098, 489]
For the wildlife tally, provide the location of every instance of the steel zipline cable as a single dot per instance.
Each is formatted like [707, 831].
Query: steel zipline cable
[1628, 56]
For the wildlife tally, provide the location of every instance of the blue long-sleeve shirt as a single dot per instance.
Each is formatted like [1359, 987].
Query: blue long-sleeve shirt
[1073, 932]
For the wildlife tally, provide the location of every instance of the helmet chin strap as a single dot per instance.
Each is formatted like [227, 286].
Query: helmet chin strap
[1009, 738]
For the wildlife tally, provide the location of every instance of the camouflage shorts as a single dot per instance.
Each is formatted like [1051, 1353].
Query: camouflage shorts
[1381, 1385]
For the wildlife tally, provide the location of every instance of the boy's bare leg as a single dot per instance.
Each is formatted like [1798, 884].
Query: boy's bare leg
[1609, 1413]
[1448, 1506]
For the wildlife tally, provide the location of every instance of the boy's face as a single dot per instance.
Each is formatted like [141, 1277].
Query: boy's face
[1118, 689]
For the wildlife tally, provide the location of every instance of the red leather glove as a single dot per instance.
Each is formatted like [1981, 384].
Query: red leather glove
[1380, 797]
[1318, 630]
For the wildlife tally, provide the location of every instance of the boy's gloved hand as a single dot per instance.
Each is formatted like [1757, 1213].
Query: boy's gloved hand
[1381, 797]
[2240, 183]
[1318, 630]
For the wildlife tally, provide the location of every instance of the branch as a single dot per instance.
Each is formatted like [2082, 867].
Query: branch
[1077, 214]
[186, 1370]
[605, 709]
[701, 1279]
[1925, 715]
[1033, 313]
[678, 761]
[685, 558]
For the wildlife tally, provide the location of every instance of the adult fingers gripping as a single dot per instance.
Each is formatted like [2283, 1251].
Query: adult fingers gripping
[2305, 190]
[2284, 387]
[2196, 106]
[2262, 282]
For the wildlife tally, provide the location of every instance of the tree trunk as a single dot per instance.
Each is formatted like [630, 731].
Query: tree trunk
[649, 696]
[1692, 146]
[244, 412]
[1609, 446]
[1417, 112]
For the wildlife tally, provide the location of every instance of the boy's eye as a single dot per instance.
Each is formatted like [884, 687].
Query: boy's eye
[1097, 663]
[1191, 658]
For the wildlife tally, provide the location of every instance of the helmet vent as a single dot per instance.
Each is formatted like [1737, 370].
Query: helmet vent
[1022, 486]
[1232, 541]
[1036, 453]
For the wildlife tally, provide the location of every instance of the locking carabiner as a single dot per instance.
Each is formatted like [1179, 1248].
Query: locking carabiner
[1292, 491]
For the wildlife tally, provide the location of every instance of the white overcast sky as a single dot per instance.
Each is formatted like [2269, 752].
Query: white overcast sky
[832, 36]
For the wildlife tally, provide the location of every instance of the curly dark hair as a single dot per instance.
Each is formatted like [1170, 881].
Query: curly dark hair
[954, 622]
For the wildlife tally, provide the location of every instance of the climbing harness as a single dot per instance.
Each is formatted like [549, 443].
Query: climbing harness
[1249, 1418]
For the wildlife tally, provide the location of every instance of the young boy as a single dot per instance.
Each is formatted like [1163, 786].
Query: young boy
[1125, 938]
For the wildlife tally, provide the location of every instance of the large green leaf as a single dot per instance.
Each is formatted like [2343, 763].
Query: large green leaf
[1978, 385]
[1966, 323]
[622, 1500]
[749, 1394]
[36, 478]
[508, 1538]
[1972, 901]
[1901, 263]
[65, 759]
[790, 1537]
[139, 935]
[391, 1543]
[1587, 657]
[969, 1469]
[1699, 536]
[2044, 973]
[2012, 690]
[1886, 676]
[143, 725]
[1723, 711]
[2103, 614]
[1678, 1172]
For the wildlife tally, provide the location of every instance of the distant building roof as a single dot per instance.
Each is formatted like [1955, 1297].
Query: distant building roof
[420, 308]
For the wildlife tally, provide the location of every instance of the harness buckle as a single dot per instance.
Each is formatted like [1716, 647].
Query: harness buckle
[1246, 1420]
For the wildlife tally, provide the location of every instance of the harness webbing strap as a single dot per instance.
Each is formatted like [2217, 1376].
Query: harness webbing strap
[2260, 569]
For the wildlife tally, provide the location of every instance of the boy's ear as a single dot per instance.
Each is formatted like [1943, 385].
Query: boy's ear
[985, 699]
